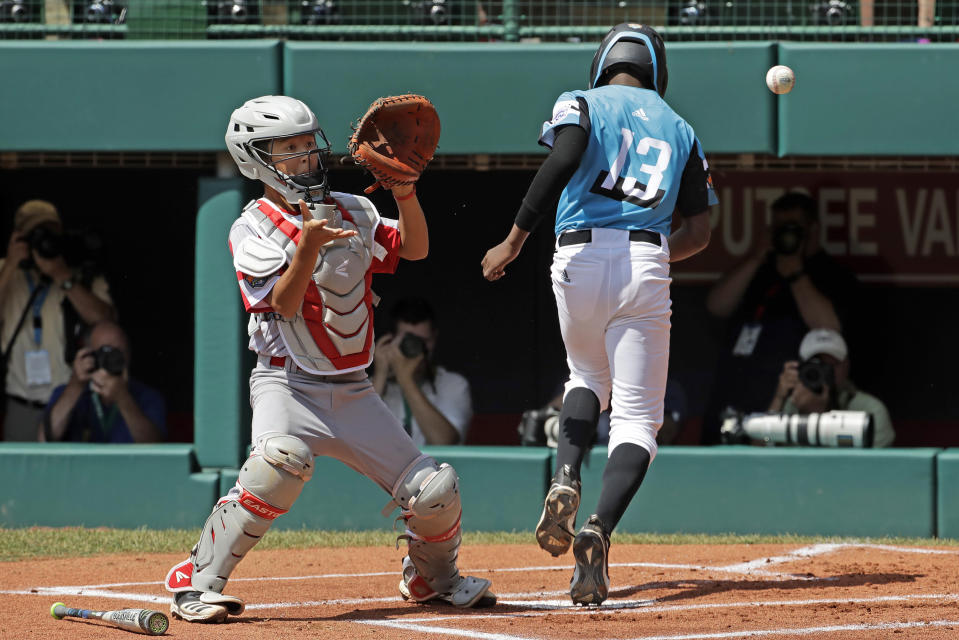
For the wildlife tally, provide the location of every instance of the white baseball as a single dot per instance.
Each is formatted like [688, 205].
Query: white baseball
[780, 79]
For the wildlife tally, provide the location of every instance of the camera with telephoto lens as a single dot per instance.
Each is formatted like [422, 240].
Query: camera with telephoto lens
[788, 237]
[830, 429]
[815, 374]
[110, 359]
[538, 427]
[412, 345]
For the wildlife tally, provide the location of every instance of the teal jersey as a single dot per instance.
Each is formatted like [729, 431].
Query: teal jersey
[642, 162]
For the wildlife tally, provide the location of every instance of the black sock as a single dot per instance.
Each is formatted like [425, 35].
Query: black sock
[624, 472]
[577, 427]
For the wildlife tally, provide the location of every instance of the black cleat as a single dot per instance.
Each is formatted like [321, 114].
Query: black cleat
[590, 583]
[554, 533]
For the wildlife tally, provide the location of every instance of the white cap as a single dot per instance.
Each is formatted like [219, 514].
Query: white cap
[824, 341]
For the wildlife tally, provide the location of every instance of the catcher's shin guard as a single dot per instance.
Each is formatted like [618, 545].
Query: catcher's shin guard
[429, 497]
[269, 483]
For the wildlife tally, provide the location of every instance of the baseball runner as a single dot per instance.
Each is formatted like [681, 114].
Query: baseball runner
[304, 258]
[621, 161]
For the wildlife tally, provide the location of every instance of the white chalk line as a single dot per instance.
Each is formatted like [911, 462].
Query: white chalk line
[744, 568]
[558, 606]
[333, 576]
[443, 631]
[787, 631]
[552, 606]
[812, 551]
[565, 607]
[806, 631]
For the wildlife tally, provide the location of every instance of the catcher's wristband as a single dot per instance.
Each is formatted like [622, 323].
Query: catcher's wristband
[407, 196]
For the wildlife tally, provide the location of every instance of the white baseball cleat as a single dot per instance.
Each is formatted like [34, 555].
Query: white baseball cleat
[210, 607]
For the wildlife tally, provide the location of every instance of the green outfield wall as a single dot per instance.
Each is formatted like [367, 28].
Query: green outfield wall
[850, 99]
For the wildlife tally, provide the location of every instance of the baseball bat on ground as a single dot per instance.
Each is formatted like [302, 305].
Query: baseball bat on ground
[152, 623]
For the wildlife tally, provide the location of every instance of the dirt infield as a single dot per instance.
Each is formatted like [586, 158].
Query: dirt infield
[840, 591]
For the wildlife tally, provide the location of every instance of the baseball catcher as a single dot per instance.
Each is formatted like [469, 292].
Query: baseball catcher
[395, 139]
[304, 256]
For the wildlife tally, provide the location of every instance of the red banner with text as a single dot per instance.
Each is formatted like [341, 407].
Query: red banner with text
[888, 227]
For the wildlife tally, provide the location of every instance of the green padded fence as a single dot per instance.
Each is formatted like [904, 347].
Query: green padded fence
[122, 96]
[947, 496]
[221, 402]
[493, 98]
[103, 485]
[780, 490]
[745, 490]
[870, 100]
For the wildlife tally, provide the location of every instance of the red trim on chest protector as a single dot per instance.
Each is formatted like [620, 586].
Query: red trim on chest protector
[313, 306]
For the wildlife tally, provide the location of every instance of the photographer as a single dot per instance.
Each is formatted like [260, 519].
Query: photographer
[787, 286]
[820, 382]
[101, 402]
[45, 299]
[432, 403]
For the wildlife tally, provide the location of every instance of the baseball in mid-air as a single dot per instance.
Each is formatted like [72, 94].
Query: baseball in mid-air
[780, 79]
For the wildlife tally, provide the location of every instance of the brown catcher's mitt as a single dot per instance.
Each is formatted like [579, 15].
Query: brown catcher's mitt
[395, 139]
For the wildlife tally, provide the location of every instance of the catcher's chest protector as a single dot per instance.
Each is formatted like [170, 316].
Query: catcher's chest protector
[333, 330]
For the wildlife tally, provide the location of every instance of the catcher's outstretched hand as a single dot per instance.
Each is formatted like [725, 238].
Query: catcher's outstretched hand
[395, 139]
[316, 233]
[496, 259]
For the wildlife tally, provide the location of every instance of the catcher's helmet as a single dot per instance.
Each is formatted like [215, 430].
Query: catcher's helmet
[251, 132]
[638, 48]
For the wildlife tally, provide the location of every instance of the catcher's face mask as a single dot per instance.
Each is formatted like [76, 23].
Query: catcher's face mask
[299, 163]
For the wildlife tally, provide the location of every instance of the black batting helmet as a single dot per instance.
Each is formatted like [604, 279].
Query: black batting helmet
[636, 47]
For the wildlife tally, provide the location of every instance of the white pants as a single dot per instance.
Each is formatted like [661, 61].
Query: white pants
[612, 296]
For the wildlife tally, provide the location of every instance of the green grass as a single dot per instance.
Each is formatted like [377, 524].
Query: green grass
[43, 542]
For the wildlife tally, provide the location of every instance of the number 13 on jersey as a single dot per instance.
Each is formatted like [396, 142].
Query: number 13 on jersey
[627, 188]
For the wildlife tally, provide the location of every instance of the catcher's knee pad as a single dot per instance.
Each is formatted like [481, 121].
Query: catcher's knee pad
[429, 496]
[269, 483]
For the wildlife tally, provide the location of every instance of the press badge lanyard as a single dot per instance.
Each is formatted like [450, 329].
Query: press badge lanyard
[770, 294]
[105, 422]
[407, 417]
[749, 334]
[37, 307]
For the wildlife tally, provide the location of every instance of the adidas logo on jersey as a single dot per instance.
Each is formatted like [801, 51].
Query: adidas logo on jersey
[640, 113]
[565, 276]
